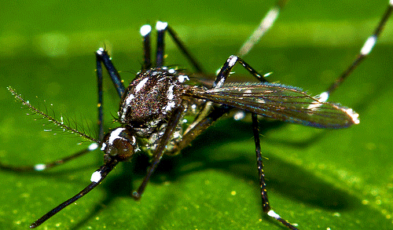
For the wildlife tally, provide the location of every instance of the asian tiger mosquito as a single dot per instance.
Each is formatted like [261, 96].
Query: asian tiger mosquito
[153, 105]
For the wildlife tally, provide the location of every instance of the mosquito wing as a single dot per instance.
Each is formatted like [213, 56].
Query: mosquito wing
[279, 102]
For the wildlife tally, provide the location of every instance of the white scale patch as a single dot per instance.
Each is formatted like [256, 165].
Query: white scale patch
[183, 78]
[145, 30]
[39, 167]
[128, 101]
[103, 147]
[93, 146]
[273, 214]
[368, 45]
[130, 98]
[220, 83]
[100, 51]
[353, 115]
[161, 25]
[170, 92]
[115, 134]
[170, 106]
[232, 61]
[239, 115]
[323, 97]
[314, 106]
[141, 84]
[247, 93]
[96, 177]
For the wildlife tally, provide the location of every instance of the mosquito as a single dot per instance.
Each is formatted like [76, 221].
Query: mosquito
[154, 105]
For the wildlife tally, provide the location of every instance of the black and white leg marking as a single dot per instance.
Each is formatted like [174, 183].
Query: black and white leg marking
[162, 28]
[265, 201]
[266, 23]
[226, 70]
[145, 33]
[96, 178]
[364, 52]
[42, 167]
[46, 166]
[103, 57]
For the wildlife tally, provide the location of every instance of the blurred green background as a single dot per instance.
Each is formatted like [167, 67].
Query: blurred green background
[320, 179]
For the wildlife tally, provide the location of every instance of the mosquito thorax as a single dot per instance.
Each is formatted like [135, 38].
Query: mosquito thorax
[120, 143]
[150, 99]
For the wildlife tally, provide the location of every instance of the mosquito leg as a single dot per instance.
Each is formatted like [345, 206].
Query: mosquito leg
[265, 201]
[226, 70]
[266, 23]
[220, 79]
[96, 178]
[41, 167]
[197, 67]
[364, 52]
[102, 56]
[172, 124]
[161, 28]
[203, 122]
[100, 100]
[145, 32]
[198, 128]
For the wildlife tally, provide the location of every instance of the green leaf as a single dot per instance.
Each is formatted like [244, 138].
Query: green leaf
[319, 179]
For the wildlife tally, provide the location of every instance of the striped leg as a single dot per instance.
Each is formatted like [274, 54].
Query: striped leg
[364, 52]
[266, 23]
[265, 201]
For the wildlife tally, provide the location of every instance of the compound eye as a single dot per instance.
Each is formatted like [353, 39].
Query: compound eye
[119, 144]
[122, 148]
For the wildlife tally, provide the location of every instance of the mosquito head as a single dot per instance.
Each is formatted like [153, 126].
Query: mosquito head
[120, 144]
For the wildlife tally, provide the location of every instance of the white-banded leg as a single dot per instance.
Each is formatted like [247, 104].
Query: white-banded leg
[225, 71]
[45, 166]
[145, 33]
[222, 75]
[95, 179]
[266, 23]
[364, 52]
[103, 57]
[265, 201]
[162, 28]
